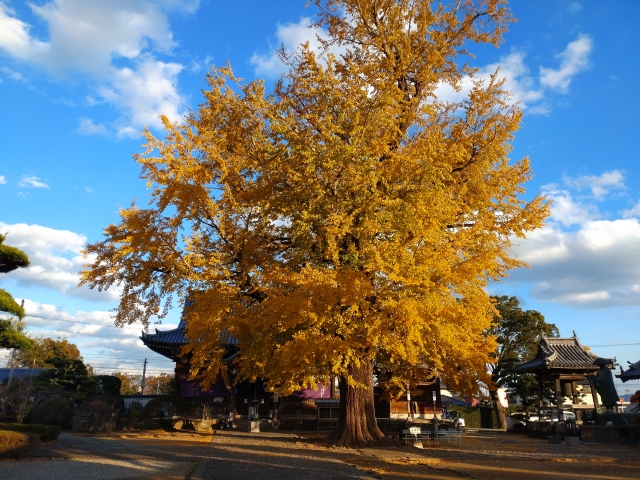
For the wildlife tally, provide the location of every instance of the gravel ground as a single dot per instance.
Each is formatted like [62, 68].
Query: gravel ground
[122, 456]
[277, 456]
[283, 456]
[495, 456]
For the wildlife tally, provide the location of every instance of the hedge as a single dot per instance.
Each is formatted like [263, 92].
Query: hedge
[478, 417]
[44, 433]
[55, 411]
[15, 444]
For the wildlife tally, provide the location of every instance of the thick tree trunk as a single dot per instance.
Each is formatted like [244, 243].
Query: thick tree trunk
[499, 409]
[357, 425]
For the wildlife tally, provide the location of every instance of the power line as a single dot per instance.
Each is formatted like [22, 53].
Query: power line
[616, 345]
[78, 321]
[71, 334]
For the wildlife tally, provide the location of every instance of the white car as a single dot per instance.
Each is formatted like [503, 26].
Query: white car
[565, 415]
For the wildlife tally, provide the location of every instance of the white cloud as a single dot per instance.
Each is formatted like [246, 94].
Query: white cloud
[574, 59]
[85, 35]
[87, 127]
[2, 180]
[517, 81]
[32, 181]
[11, 73]
[101, 344]
[600, 185]
[525, 89]
[88, 36]
[596, 266]
[574, 7]
[291, 36]
[197, 65]
[633, 211]
[56, 259]
[14, 36]
[144, 92]
[566, 210]
[580, 258]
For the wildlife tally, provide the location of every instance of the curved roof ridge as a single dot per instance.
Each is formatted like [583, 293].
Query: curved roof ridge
[561, 353]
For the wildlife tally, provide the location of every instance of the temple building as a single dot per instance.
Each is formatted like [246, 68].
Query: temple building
[310, 408]
[570, 377]
[632, 373]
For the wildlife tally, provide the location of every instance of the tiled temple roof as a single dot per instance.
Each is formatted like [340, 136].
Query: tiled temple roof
[175, 337]
[566, 354]
[632, 373]
[169, 343]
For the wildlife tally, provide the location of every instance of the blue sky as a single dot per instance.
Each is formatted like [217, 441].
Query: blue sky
[79, 79]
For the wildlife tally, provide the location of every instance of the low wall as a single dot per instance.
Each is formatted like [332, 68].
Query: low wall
[544, 429]
[620, 434]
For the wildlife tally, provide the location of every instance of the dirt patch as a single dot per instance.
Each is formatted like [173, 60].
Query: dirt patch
[498, 456]
[129, 455]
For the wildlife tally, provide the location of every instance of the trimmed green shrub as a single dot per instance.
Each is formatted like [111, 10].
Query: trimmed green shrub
[478, 417]
[167, 407]
[108, 384]
[45, 433]
[55, 411]
[96, 414]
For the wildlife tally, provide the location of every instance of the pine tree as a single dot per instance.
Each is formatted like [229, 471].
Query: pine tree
[12, 332]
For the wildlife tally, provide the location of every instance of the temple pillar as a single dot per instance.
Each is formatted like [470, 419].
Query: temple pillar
[540, 394]
[558, 388]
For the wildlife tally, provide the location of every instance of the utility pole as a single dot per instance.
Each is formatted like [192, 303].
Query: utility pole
[144, 372]
[11, 365]
[13, 353]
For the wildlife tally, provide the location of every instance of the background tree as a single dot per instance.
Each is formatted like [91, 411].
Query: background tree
[12, 332]
[130, 384]
[44, 349]
[108, 384]
[159, 384]
[351, 216]
[517, 333]
[69, 375]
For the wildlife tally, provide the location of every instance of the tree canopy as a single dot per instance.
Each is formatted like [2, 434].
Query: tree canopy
[68, 375]
[351, 216]
[517, 334]
[11, 258]
[12, 332]
[12, 335]
[44, 349]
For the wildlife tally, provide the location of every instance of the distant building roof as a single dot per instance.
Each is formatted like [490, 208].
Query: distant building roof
[20, 373]
[170, 342]
[449, 400]
[632, 373]
[167, 343]
[562, 354]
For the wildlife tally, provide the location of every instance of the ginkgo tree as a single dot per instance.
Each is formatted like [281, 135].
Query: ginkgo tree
[349, 218]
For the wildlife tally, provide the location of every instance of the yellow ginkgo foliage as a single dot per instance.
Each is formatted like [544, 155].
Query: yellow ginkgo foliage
[350, 218]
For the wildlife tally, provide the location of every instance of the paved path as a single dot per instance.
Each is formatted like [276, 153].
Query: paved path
[482, 456]
[283, 456]
[75, 457]
[277, 456]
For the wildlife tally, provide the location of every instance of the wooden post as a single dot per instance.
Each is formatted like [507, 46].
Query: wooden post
[558, 396]
[540, 394]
